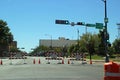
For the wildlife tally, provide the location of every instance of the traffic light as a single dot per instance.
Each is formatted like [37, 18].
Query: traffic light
[62, 22]
[102, 35]
[107, 36]
[108, 44]
[103, 39]
[80, 23]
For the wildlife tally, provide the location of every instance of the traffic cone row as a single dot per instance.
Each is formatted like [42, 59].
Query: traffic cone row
[34, 61]
[1, 63]
[39, 62]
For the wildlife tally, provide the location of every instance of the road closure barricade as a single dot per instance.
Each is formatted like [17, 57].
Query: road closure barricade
[49, 58]
[112, 71]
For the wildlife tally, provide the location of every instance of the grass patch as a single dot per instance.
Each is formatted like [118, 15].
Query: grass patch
[96, 57]
[114, 59]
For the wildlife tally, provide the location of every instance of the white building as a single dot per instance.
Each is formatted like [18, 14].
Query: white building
[61, 42]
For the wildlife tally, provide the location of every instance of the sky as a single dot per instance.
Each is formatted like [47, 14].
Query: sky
[32, 20]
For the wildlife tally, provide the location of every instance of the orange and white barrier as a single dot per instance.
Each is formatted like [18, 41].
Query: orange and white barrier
[112, 71]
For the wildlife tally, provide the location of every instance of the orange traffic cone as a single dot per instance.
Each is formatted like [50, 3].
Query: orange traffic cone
[34, 61]
[68, 61]
[39, 61]
[90, 61]
[1, 63]
[62, 61]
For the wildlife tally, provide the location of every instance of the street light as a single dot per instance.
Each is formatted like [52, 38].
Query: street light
[118, 24]
[23, 54]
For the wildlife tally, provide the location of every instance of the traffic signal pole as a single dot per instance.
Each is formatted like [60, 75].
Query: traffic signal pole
[97, 26]
[105, 22]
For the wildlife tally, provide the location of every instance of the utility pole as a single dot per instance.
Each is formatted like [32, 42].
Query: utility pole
[78, 41]
[78, 34]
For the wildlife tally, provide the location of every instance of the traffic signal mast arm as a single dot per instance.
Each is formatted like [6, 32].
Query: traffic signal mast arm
[66, 22]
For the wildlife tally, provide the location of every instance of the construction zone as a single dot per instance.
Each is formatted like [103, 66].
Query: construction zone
[63, 68]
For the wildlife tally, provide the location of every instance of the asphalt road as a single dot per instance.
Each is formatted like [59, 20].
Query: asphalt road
[26, 70]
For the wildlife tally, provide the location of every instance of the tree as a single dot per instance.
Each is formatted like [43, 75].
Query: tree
[71, 49]
[88, 39]
[6, 37]
[102, 43]
[90, 47]
[39, 49]
[84, 39]
[116, 46]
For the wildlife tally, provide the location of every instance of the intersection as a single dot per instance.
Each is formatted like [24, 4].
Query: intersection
[53, 71]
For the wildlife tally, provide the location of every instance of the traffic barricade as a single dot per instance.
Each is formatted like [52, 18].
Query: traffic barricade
[112, 71]
[58, 59]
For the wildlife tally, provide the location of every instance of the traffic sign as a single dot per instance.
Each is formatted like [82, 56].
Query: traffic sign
[106, 20]
[91, 25]
[99, 25]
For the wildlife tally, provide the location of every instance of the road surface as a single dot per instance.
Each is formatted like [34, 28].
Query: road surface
[19, 69]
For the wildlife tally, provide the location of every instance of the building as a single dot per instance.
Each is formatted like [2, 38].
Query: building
[13, 45]
[60, 42]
